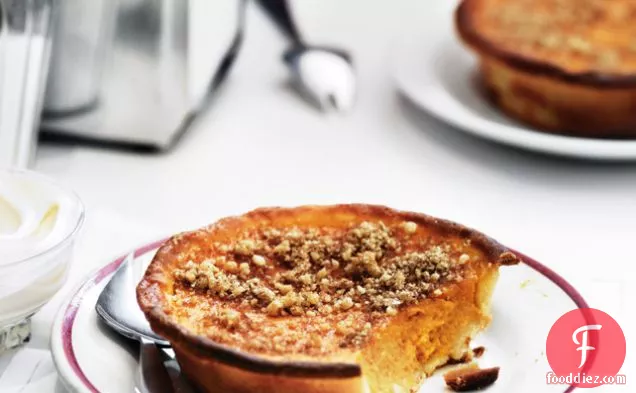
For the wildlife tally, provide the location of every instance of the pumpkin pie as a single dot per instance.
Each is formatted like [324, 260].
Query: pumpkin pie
[562, 66]
[316, 299]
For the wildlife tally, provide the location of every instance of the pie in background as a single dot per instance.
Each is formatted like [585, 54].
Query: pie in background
[561, 66]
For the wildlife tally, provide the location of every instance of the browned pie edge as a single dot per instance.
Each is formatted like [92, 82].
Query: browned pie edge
[150, 296]
[469, 32]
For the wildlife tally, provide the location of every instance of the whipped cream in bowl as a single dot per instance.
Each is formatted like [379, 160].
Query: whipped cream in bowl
[39, 222]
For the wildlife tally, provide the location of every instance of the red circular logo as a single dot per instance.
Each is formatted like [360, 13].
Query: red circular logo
[585, 347]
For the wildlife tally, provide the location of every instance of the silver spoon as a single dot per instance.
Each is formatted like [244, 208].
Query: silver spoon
[324, 75]
[117, 307]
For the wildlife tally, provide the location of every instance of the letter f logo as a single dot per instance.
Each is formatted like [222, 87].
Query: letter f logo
[584, 348]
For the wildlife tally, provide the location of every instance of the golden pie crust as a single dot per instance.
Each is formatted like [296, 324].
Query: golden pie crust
[343, 298]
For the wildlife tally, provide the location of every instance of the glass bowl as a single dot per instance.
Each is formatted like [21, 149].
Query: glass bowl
[39, 223]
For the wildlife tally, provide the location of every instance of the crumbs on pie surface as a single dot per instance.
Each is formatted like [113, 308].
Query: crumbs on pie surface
[309, 291]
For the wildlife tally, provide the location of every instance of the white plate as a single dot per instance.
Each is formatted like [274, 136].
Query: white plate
[529, 298]
[439, 75]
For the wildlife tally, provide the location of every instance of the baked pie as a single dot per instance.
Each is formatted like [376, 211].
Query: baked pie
[315, 299]
[563, 66]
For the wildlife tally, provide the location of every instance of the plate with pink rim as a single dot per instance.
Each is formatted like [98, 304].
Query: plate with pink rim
[528, 299]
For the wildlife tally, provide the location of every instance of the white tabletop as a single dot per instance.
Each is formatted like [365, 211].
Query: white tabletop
[260, 145]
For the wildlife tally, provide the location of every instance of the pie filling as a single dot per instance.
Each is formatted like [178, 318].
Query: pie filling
[425, 337]
[397, 298]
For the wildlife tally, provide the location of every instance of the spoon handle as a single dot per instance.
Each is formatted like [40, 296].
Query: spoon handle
[281, 14]
[152, 373]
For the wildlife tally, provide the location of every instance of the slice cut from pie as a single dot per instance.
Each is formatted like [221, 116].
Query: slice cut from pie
[344, 298]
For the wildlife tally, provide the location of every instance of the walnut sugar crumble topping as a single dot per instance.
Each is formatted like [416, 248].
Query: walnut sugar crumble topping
[409, 226]
[370, 270]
